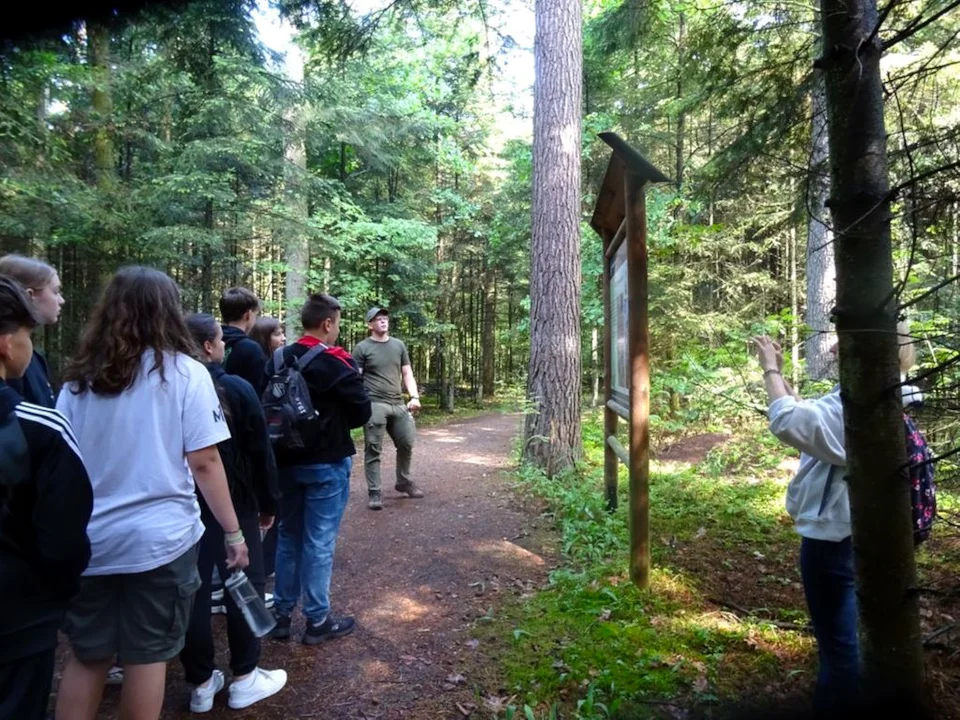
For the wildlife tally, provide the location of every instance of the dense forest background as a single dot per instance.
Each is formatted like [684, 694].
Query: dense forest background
[394, 166]
[387, 158]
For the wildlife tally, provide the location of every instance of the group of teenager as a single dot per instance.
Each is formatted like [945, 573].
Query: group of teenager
[153, 466]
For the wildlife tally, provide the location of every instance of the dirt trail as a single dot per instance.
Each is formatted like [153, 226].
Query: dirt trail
[415, 575]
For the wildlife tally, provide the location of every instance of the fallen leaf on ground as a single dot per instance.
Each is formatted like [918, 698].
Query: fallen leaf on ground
[496, 703]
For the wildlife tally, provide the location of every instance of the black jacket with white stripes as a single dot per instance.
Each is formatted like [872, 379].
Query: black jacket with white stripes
[45, 505]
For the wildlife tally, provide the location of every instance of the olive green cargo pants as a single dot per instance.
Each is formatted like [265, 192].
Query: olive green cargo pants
[398, 423]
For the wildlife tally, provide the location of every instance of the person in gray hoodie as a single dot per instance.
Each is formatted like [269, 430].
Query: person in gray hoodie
[818, 502]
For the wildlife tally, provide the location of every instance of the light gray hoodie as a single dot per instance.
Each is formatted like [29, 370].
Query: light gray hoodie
[815, 428]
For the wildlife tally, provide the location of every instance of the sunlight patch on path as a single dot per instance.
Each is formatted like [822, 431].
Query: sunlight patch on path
[395, 607]
[506, 549]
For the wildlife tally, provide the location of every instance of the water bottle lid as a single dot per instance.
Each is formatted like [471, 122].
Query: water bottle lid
[237, 578]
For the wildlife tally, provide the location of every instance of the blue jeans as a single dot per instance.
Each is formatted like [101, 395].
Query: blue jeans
[314, 498]
[830, 588]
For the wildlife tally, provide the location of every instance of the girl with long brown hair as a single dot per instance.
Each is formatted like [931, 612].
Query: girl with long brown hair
[147, 420]
[268, 333]
[252, 476]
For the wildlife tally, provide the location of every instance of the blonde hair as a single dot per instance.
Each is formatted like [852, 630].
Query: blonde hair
[30, 273]
[905, 346]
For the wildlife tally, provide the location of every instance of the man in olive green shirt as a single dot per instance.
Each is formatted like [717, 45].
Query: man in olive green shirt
[385, 366]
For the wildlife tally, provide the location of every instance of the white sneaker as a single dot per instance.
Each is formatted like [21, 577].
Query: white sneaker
[201, 697]
[260, 685]
[115, 675]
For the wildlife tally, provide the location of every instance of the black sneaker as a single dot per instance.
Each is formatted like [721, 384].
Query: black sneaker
[329, 629]
[375, 503]
[282, 630]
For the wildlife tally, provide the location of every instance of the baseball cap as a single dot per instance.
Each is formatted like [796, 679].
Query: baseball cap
[374, 311]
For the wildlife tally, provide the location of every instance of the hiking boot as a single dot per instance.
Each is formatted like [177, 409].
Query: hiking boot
[410, 489]
[329, 629]
[375, 503]
[282, 630]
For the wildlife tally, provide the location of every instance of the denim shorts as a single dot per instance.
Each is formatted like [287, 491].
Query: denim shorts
[140, 617]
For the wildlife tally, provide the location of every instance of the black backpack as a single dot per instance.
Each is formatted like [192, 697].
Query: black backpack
[286, 398]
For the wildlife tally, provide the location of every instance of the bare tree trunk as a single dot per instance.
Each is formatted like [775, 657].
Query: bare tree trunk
[98, 57]
[794, 308]
[891, 652]
[552, 429]
[488, 343]
[296, 242]
[595, 361]
[681, 115]
[821, 272]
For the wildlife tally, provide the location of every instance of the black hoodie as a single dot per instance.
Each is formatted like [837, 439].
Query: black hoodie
[45, 505]
[244, 357]
[247, 456]
[34, 386]
[341, 402]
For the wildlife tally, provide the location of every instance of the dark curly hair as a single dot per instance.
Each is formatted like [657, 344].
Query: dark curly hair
[139, 311]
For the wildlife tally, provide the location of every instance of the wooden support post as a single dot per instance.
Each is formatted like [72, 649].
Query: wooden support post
[610, 466]
[638, 343]
[619, 450]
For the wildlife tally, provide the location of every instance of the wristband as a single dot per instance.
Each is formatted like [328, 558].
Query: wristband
[234, 538]
[771, 372]
[415, 397]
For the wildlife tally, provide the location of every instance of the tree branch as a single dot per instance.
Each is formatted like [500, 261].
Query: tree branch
[915, 26]
[928, 293]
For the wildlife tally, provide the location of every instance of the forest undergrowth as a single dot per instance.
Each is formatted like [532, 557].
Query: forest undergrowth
[723, 625]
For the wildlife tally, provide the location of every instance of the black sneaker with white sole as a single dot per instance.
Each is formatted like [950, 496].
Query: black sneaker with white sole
[329, 629]
[282, 629]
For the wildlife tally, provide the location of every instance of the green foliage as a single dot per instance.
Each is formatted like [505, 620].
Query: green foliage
[400, 199]
[590, 645]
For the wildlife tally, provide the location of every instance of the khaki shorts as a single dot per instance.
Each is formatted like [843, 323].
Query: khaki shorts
[141, 617]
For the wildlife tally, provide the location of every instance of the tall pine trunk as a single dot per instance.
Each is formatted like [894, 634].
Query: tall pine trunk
[552, 429]
[869, 370]
[821, 272]
[488, 342]
[98, 57]
[296, 242]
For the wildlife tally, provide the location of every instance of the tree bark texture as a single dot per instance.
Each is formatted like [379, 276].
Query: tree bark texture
[296, 241]
[821, 271]
[866, 317]
[488, 343]
[552, 428]
[98, 56]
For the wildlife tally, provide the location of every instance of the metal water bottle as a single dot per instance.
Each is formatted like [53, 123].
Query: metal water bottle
[250, 603]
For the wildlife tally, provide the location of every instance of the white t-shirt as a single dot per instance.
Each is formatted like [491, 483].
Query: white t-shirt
[145, 511]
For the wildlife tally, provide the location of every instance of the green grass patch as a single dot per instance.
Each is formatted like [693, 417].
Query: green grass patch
[591, 645]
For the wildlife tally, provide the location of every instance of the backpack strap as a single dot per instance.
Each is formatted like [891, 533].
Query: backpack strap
[826, 490]
[309, 356]
[278, 359]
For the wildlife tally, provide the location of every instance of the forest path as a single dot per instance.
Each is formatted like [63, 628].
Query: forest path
[416, 576]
